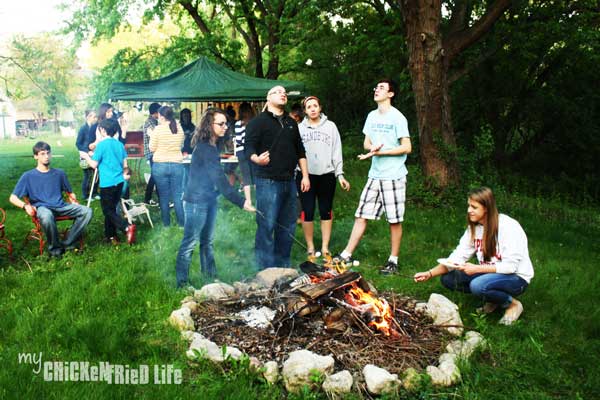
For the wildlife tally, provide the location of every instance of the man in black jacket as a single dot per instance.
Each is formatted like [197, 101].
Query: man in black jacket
[85, 137]
[274, 144]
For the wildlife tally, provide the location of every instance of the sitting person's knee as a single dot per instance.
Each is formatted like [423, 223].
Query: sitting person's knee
[448, 281]
[477, 287]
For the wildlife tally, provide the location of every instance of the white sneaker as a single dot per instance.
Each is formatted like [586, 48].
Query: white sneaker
[512, 314]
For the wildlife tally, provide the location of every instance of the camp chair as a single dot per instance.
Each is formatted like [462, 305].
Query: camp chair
[134, 211]
[37, 232]
[4, 242]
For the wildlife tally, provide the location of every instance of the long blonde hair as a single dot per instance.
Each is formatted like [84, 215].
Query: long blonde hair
[485, 197]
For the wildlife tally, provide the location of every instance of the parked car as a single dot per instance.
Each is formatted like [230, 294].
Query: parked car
[22, 128]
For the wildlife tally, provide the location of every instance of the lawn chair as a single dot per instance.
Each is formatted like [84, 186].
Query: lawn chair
[37, 233]
[4, 242]
[135, 211]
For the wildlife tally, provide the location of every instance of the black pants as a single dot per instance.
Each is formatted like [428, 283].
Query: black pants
[88, 176]
[109, 199]
[150, 186]
[322, 189]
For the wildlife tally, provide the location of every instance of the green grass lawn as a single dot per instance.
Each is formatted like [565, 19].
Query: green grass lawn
[111, 303]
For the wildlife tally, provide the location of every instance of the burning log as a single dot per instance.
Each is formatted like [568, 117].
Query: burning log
[317, 290]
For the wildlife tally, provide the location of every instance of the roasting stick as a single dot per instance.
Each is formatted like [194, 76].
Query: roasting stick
[285, 228]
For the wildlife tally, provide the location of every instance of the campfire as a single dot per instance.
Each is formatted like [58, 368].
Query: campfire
[328, 310]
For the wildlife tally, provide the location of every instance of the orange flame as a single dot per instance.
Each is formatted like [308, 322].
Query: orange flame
[380, 310]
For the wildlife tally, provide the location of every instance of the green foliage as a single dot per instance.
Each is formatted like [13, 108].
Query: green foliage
[41, 72]
[531, 83]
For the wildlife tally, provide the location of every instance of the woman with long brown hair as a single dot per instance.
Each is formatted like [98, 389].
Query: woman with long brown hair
[504, 268]
[206, 181]
[167, 168]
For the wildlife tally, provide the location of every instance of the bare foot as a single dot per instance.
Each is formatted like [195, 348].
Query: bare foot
[487, 308]
[512, 313]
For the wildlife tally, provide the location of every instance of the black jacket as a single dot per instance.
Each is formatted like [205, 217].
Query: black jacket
[207, 180]
[281, 138]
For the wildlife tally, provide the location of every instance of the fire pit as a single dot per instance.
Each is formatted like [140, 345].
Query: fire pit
[327, 310]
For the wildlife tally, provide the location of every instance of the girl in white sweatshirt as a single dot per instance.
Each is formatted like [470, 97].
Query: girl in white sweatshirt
[500, 245]
[323, 147]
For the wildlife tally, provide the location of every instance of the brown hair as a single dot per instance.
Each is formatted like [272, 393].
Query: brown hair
[205, 130]
[167, 113]
[306, 99]
[485, 197]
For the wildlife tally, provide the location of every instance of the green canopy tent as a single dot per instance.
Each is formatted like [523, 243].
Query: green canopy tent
[199, 81]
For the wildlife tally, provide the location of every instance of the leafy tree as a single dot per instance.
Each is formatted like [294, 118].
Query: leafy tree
[533, 85]
[41, 70]
[267, 28]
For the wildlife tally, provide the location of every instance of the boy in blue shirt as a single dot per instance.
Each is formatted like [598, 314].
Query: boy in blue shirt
[110, 158]
[44, 186]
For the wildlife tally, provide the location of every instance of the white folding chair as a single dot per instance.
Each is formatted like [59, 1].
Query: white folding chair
[135, 211]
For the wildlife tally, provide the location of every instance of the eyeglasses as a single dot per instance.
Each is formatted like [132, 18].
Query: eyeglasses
[283, 92]
[380, 87]
[221, 124]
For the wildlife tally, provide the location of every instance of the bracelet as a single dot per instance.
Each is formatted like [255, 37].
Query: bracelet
[24, 205]
[430, 274]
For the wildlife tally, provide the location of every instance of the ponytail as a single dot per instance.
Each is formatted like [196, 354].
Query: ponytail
[169, 115]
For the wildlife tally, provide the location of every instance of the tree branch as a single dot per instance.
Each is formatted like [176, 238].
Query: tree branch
[193, 11]
[456, 42]
[11, 59]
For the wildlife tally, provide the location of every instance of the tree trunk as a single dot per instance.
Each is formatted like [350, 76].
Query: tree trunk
[429, 74]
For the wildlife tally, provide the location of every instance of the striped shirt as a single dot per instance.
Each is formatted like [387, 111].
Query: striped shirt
[150, 124]
[240, 136]
[165, 145]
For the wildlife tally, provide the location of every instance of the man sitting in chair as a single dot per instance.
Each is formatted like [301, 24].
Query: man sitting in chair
[44, 187]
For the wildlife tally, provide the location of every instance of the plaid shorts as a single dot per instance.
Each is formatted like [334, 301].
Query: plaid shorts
[383, 195]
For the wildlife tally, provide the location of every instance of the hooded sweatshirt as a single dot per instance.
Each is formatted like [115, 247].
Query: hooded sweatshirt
[323, 147]
[512, 254]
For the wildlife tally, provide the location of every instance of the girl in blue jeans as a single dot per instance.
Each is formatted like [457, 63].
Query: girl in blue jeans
[504, 268]
[206, 180]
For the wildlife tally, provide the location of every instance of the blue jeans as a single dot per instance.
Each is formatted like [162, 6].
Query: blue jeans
[88, 176]
[186, 174]
[169, 184]
[276, 222]
[200, 222]
[493, 288]
[82, 215]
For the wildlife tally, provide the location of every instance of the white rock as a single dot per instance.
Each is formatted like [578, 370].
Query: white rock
[464, 348]
[233, 352]
[190, 335]
[338, 383]
[271, 373]
[211, 350]
[379, 380]
[300, 365]
[268, 277]
[215, 291]
[447, 373]
[181, 319]
[186, 299]
[206, 348]
[438, 378]
[192, 305]
[241, 287]
[445, 312]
